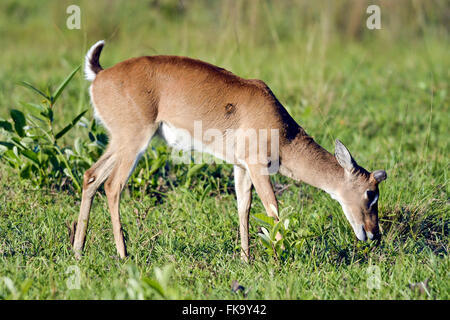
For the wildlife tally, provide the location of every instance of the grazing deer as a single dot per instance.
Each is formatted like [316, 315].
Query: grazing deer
[166, 95]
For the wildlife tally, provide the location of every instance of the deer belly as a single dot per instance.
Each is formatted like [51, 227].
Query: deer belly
[177, 138]
[181, 139]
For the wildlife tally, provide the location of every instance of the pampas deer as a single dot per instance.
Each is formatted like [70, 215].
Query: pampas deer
[166, 95]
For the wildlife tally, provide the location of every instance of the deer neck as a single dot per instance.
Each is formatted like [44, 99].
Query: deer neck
[305, 160]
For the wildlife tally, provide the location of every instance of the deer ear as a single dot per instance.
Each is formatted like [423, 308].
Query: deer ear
[344, 157]
[379, 175]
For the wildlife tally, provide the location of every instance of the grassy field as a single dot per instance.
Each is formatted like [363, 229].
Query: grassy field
[384, 93]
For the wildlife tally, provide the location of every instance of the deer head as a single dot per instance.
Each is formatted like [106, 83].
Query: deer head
[359, 195]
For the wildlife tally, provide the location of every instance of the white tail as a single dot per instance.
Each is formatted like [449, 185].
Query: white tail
[174, 97]
[91, 61]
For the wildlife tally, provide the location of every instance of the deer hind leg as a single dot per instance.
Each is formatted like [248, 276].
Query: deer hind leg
[128, 154]
[243, 186]
[92, 180]
[264, 189]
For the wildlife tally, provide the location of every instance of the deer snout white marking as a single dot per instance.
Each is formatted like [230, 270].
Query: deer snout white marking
[140, 97]
[361, 233]
[370, 235]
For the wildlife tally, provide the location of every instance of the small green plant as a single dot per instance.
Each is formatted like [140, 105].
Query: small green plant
[34, 148]
[159, 287]
[292, 241]
[279, 249]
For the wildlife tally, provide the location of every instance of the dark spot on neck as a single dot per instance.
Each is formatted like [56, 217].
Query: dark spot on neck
[229, 109]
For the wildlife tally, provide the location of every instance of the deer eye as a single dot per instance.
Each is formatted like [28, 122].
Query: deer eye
[372, 198]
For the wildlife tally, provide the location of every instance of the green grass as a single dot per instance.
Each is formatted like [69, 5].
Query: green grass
[384, 94]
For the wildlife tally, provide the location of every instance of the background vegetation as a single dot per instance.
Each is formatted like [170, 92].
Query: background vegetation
[384, 93]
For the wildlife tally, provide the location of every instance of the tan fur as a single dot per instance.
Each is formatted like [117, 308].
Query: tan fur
[135, 96]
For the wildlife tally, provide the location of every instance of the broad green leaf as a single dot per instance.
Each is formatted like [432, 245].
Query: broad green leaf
[265, 241]
[6, 125]
[12, 155]
[276, 228]
[265, 219]
[63, 85]
[30, 155]
[19, 121]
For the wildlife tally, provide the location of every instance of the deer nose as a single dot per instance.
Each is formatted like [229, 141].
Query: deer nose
[361, 233]
[376, 235]
[372, 230]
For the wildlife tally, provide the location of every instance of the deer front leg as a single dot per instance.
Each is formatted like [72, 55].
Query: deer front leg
[243, 187]
[264, 188]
